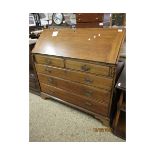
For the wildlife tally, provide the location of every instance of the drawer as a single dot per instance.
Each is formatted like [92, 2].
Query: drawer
[49, 60]
[89, 25]
[53, 71]
[85, 78]
[100, 108]
[86, 20]
[87, 67]
[95, 94]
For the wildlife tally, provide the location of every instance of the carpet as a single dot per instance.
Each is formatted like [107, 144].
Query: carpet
[51, 121]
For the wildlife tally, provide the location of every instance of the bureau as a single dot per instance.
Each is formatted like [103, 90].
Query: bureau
[78, 67]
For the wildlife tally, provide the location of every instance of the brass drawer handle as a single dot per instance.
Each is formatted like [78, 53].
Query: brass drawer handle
[85, 68]
[87, 80]
[51, 91]
[88, 93]
[50, 80]
[48, 70]
[88, 103]
[48, 61]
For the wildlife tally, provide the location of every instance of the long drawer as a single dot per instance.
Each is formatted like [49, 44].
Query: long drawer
[49, 60]
[95, 94]
[89, 25]
[87, 67]
[85, 78]
[100, 108]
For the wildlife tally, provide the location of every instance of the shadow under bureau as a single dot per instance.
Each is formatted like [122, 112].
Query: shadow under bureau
[78, 67]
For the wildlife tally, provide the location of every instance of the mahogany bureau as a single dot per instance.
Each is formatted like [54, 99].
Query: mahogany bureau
[77, 67]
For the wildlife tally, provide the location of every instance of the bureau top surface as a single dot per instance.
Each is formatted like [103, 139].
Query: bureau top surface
[94, 44]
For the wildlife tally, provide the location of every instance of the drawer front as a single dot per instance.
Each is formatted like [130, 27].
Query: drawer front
[100, 108]
[90, 92]
[87, 67]
[50, 61]
[53, 71]
[89, 25]
[85, 78]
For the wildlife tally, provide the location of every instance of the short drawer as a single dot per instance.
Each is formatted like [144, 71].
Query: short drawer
[98, 95]
[100, 108]
[85, 78]
[49, 60]
[48, 70]
[87, 67]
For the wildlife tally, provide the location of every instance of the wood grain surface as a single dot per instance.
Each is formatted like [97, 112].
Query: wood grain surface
[100, 108]
[87, 67]
[85, 78]
[96, 44]
[95, 94]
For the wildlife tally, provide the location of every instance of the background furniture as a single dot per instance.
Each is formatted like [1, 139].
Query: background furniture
[118, 19]
[119, 123]
[33, 80]
[78, 67]
[89, 20]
